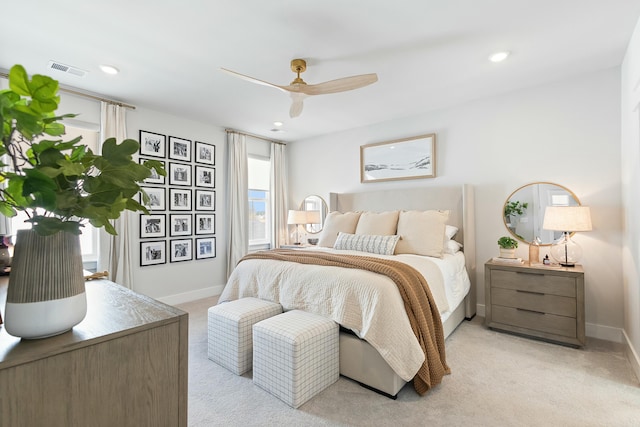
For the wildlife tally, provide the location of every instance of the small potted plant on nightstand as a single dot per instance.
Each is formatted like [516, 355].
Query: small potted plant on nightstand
[507, 247]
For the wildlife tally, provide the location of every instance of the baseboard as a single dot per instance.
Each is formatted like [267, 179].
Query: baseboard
[192, 295]
[633, 357]
[606, 333]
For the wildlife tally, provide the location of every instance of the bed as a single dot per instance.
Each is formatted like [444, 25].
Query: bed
[374, 347]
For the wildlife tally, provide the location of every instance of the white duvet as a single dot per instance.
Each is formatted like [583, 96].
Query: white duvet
[365, 302]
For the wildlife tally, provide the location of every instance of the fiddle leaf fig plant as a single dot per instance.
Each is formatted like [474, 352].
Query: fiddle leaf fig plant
[61, 184]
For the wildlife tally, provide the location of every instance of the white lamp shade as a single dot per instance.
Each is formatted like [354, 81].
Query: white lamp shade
[313, 217]
[297, 217]
[567, 218]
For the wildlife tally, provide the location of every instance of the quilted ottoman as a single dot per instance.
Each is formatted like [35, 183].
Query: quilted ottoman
[295, 355]
[230, 335]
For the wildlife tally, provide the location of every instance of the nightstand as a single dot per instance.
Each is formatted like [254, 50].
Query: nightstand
[540, 301]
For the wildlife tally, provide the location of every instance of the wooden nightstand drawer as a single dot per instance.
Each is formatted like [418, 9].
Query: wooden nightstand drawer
[546, 302]
[534, 282]
[549, 323]
[534, 301]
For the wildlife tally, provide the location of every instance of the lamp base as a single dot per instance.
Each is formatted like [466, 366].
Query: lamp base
[568, 264]
[565, 251]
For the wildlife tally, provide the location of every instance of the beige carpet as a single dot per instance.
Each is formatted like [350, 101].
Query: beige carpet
[497, 380]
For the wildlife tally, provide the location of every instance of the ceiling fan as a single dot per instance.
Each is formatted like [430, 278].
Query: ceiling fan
[299, 89]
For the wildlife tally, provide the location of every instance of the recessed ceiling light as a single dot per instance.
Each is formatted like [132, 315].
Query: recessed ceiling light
[278, 124]
[499, 56]
[109, 69]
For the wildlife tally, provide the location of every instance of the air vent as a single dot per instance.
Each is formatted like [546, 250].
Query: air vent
[68, 69]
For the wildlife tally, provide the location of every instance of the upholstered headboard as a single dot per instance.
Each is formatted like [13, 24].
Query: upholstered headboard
[459, 200]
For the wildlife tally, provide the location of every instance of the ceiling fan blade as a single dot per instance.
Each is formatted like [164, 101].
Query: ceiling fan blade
[254, 80]
[334, 86]
[296, 104]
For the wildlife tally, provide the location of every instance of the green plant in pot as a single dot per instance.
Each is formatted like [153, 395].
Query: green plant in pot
[507, 247]
[60, 185]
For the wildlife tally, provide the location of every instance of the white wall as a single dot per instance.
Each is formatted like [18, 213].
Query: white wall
[567, 132]
[170, 282]
[630, 193]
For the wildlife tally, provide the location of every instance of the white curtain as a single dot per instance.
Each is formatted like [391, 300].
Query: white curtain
[116, 255]
[279, 195]
[237, 192]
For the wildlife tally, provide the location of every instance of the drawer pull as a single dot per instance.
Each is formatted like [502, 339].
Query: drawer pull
[528, 273]
[529, 292]
[531, 311]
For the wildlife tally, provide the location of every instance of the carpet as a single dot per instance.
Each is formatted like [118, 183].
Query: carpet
[497, 379]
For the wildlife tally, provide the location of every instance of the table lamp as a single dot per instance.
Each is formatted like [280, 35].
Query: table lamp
[566, 219]
[297, 218]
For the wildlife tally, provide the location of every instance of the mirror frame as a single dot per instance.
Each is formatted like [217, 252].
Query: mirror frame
[324, 211]
[504, 218]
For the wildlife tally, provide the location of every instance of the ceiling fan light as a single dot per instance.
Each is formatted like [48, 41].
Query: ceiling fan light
[499, 56]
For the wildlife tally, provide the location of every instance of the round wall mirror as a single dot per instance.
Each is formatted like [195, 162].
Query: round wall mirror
[314, 204]
[523, 212]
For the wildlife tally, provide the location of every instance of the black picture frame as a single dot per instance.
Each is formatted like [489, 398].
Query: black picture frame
[157, 198]
[154, 178]
[205, 200]
[153, 226]
[205, 177]
[205, 153]
[205, 224]
[153, 252]
[153, 144]
[205, 247]
[180, 225]
[180, 199]
[181, 250]
[179, 149]
[180, 174]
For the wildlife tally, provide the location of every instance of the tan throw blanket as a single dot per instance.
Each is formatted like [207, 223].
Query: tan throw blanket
[418, 302]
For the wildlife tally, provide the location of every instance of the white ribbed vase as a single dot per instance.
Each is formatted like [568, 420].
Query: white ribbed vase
[46, 294]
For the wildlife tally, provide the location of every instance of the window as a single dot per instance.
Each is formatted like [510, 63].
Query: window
[89, 236]
[259, 203]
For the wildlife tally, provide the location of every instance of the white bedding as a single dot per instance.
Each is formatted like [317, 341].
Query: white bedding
[365, 302]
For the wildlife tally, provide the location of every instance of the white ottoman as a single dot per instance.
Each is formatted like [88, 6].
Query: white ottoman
[295, 355]
[230, 335]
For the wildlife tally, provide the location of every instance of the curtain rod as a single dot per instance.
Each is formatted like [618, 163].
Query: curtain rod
[74, 91]
[254, 136]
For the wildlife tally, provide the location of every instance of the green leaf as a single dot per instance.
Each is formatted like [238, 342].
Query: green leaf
[19, 80]
[119, 154]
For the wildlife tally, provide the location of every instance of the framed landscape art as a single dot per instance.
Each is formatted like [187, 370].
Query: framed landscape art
[179, 174]
[205, 177]
[408, 158]
[180, 225]
[157, 198]
[205, 223]
[205, 200]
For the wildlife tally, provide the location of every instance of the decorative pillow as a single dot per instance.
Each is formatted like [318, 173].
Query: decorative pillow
[378, 223]
[335, 223]
[382, 245]
[422, 232]
[450, 231]
[452, 247]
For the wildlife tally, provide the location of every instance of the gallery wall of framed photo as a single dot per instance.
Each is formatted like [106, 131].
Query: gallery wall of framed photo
[181, 224]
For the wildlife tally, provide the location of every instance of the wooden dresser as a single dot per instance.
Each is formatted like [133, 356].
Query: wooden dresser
[125, 364]
[540, 301]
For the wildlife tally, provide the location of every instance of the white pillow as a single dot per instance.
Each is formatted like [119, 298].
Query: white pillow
[383, 245]
[422, 232]
[450, 231]
[452, 247]
[378, 223]
[335, 223]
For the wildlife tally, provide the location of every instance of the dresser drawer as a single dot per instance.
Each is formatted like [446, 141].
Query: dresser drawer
[534, 301]
[548, 323]
[534, 282]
